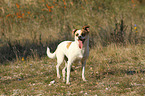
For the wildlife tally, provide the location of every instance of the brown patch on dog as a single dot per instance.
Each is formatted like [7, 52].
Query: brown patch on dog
[84, 32]
[68, 44]
[74, 31]
[86, 28]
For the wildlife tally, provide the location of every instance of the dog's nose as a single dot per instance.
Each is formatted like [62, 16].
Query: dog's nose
[79, 37]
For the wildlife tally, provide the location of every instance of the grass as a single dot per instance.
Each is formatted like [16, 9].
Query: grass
[107, 74]
[116, 64]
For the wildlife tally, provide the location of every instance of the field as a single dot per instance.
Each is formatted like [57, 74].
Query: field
[116, 64]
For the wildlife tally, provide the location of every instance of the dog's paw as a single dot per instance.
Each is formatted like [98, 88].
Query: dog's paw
[85, 80]
[59, 77]
[63, 80]
[68, 83]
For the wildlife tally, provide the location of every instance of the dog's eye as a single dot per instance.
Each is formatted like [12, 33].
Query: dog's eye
[77, 34]
[83, 34]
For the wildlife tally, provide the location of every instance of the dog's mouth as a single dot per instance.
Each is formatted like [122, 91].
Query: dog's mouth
[81, 42]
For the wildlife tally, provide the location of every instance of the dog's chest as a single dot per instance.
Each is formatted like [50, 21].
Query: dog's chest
[78, 54]
[74, 53]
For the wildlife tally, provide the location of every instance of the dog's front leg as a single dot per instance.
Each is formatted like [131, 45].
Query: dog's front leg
[83, 70]
[68, 72]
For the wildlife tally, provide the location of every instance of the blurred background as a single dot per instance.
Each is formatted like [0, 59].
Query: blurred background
[27, 27]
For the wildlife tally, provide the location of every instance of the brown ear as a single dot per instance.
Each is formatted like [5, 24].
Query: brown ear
[73, 32]
[86, 28]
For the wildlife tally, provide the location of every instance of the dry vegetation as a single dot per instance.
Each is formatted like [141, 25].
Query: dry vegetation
[116, 65]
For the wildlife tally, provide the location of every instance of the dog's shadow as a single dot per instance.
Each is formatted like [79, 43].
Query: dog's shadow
[15, 50]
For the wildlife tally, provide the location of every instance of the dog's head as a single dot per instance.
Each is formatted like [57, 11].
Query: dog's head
[81, 35]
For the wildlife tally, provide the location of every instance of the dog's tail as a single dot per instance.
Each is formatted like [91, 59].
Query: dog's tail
[50, 55]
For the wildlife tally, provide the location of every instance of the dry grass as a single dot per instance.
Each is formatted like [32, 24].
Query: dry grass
[116, 63]
[107, 71]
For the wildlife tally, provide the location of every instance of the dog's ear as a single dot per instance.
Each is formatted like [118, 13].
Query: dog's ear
[73, 32]
[86, 28]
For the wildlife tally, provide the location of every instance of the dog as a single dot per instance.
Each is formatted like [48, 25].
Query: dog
[70, 51]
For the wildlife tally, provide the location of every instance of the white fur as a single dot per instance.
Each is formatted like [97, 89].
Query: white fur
[72, 53]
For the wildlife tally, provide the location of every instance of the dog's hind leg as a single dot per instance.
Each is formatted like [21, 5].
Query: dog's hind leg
[60, 58]
[64, 69]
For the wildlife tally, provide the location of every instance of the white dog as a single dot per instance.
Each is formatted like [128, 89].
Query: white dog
[70, 51]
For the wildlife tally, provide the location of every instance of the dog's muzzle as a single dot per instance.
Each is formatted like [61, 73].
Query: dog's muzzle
[81, 41]
[80, 38]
